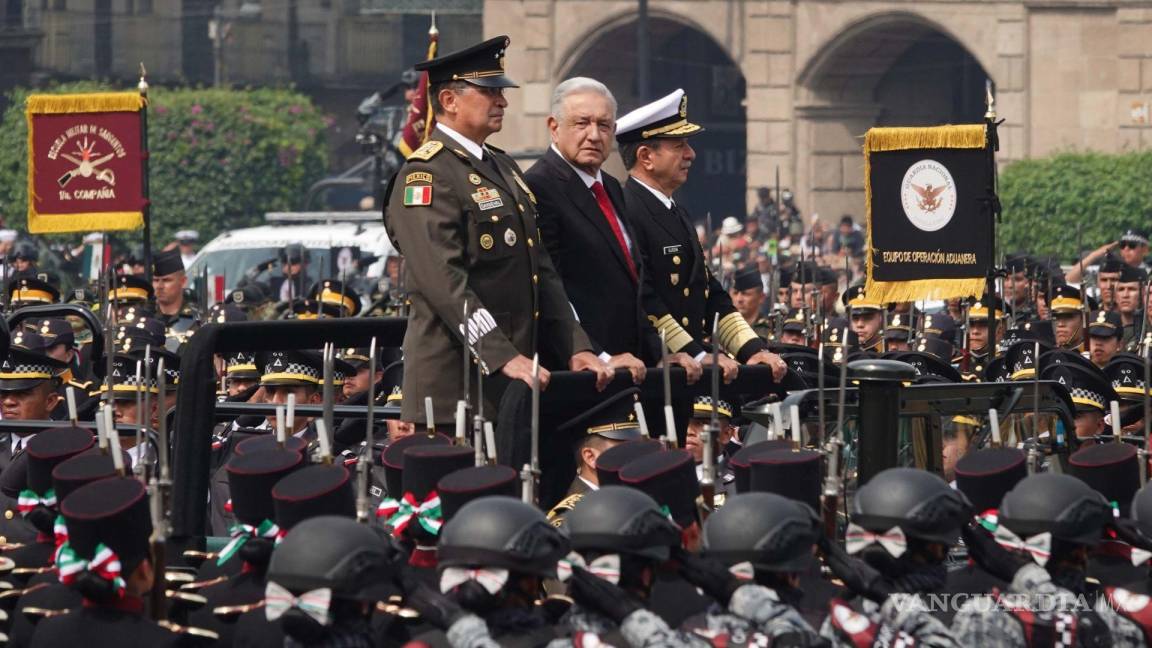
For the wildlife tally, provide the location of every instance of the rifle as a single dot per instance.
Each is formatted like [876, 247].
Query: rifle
[830, 502]
[7, 283]
[994, 425]
[710, 433]
[162, 463]
[324, 426]
[820, 382]
[531, 471]
[464, 403]
[138, 465]
[670, 441]
[779, 207]
[1146, 296]
[966, 356]
[1147, 410]
[804, 298]
[1033, 450]
[364, 463]
[158, 543]
[343, 292]
[480, 426]
[1084, 315]
[159, 493]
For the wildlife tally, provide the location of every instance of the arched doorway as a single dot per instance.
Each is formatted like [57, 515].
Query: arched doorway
[892, 70]
[683, 57]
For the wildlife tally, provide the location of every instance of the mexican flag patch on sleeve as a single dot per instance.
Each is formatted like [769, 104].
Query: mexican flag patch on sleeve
[417, 196]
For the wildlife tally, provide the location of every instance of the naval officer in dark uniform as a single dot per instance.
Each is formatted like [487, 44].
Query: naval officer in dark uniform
[464, 218]
[681, 295]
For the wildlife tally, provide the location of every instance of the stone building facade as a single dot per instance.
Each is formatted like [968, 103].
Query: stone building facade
[792, 85]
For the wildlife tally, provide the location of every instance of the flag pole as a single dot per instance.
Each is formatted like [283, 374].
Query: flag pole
[146, 243]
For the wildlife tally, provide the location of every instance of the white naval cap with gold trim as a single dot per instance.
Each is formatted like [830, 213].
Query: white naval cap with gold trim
[666, 117]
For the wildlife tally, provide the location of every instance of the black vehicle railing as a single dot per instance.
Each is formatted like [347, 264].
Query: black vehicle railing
[567, 395]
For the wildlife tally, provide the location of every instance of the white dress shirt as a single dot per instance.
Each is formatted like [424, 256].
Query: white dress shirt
[470, 146]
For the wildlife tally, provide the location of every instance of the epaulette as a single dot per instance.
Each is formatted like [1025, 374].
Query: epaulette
[427, 152]
[565, 505]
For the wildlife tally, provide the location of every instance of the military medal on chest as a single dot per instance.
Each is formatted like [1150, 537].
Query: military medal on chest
[487, 198]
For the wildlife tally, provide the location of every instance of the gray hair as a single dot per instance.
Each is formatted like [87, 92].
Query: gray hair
[577, 85]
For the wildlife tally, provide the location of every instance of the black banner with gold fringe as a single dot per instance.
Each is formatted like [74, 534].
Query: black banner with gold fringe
[930, 228]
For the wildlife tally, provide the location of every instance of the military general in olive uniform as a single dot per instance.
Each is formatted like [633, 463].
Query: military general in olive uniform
[465, 221]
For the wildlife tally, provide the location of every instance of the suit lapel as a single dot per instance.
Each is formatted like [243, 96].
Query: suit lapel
[585, 202]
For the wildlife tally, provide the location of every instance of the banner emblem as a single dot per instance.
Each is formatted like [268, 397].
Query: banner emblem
[928, 195]
[86, 161]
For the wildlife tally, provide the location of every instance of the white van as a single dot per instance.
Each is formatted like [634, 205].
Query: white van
[332, 238]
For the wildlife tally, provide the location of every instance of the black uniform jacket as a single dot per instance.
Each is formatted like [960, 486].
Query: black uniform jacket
[680, 294]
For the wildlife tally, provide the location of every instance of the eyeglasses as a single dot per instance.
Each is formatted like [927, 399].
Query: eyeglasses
[1129, 245]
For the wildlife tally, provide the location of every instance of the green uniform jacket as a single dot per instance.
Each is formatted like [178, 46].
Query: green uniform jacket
[469, 234]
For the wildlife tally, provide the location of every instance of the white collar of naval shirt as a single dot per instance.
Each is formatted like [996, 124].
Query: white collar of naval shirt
[580, 173]
[475, 149]
[668, 202]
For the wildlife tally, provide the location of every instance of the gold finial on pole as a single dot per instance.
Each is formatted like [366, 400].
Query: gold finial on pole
[989, 101]
[143, 85]
[433, 31]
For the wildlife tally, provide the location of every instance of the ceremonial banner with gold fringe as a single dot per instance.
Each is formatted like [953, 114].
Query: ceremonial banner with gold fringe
[85, 162]
[420, 118]
[929, 224]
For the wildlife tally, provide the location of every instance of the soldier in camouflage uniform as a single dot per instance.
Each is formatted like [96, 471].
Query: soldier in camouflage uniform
[493, 557]
[1043, 528]
[760, 542]
[619, 536]
[903, 522]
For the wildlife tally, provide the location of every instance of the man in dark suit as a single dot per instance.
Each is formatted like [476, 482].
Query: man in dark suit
[582, 225]
[680, 294]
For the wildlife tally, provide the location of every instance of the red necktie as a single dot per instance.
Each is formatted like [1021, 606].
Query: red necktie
[614, 223]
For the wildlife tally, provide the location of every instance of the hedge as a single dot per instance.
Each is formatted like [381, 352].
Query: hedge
[219, 158]
[1046, 200]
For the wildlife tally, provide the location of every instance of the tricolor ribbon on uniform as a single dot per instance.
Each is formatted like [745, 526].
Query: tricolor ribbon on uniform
[105, 564]
[60, 530]
[30, 499]
[315, 603]
[606, 567]
[402, 512]
[1038, 546]
[857, 538]
[989, 519]
[242, 533]
[491, 579]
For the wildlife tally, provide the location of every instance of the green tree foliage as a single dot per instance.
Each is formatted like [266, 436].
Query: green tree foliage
[1046, 200]
[219, 158]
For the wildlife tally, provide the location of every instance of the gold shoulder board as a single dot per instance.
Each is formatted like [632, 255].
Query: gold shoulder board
[427, 151]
